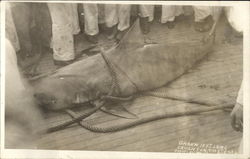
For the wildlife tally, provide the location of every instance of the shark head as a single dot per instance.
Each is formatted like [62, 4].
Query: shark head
[52, 96]
[59, 93]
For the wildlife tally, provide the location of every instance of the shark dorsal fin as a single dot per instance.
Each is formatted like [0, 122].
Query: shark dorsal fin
[133, 38]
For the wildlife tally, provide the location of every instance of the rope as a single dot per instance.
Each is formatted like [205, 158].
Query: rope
[129, 79]
[42, 75]
[160, 94]
[155, 93]
[120, 99]
[146, 120]
[115, 83]
[78, 119]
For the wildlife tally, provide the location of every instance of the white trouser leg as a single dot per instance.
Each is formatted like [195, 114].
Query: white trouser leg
[124, 16]
[62, 31]
[201, 12]
[111, 17]
[74, 19]
[188, 10]
[91, 19]
[170, 12]
[101, 14]
[11, 33]
[147, 11]
[178, 10]
[22, 18]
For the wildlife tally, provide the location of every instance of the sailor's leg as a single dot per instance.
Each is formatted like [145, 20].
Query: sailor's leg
[91, 21]
[179, 10]
[147, 11]
[62, 32]
[201, 12]
[21, 13]
[203, 18]
[10, 28]
[124, 16]
[73, 14]
[188, 12]
[146, 14]
[41, 31]
[124, 20]
[101, 14]
[101, 18]
[168, 15]
[111, 19]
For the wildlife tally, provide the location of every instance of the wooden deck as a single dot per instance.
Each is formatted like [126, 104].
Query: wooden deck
[215, 80]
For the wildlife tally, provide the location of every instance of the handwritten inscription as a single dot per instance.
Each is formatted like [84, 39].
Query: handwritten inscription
[191, 147]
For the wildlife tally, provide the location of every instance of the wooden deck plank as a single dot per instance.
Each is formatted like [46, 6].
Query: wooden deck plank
[157, 141]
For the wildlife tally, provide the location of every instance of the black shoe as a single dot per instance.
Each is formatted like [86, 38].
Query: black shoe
[180, 18]
[204, 25]
[102, 27]
[120, 34]
[63, 63]
[144, 24]
[111, 32]
[188, 20]
[92, 38]
[170, 25]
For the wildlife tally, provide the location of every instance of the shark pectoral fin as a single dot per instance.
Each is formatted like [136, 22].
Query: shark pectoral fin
[119, 111]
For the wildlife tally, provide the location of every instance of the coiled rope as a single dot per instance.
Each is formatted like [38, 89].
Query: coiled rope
[75, 120]
[116, 128]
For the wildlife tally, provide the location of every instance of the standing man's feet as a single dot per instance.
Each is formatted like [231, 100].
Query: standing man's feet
[102, 27]
[111, 32]
[170, 24]
[62, 63]
[188, 20]
[28, 63]
[120, 34]
[180, 18]
[204, 25]
[92, 38]
[23, 54]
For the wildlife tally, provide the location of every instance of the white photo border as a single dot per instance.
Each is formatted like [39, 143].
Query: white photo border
[24, 153]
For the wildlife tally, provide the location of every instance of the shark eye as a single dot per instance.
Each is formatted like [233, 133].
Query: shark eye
[53, 101]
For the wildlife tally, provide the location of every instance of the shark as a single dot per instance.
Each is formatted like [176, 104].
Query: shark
[134, 65]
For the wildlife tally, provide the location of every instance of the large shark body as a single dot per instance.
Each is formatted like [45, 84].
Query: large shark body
[136, 65]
